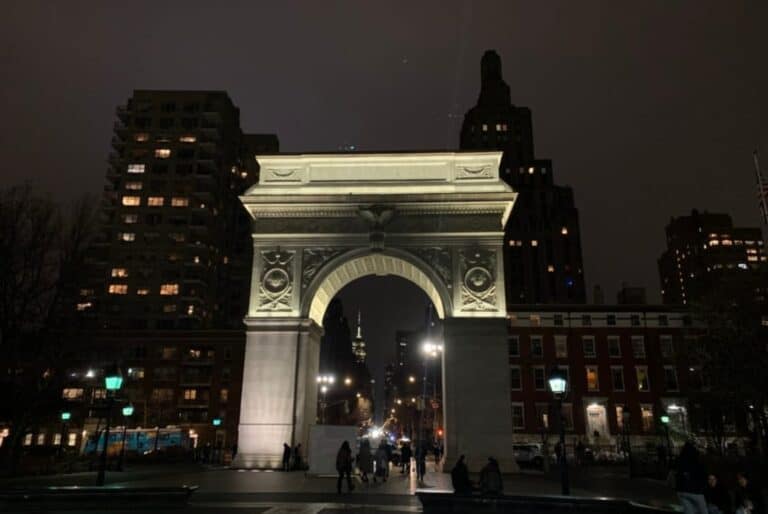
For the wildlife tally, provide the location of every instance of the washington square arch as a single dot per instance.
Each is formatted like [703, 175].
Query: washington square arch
[321, 221]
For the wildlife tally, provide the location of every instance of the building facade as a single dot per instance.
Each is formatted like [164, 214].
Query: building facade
[542, 254]
[626, 367]
[703, 250]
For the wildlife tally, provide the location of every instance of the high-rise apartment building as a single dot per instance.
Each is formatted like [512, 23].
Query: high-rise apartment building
[543, 262]
[703, 249]
[174, 250]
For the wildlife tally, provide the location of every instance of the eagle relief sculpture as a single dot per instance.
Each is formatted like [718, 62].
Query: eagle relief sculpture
[377, 216]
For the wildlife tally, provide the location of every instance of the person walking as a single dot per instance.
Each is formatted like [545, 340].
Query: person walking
[491, 483]
[689, 480]
[421, 462]
[344, 466]
[580, 450]
[460, 478]
[298, 464]
[286, 457]
[716, 495]
[405, 457]
[365, 460]
[382, 462]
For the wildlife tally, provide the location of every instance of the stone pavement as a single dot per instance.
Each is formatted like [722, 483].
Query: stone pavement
[253, 491]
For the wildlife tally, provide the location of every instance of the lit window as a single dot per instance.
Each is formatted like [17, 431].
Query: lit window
[87, 292]
[551, 269]
[128, 237]
[531, 170]
[190, 394]
[162, 153]
[27, 439]
[99, 393]
[155, 201]
[119, 272]
[224, 395]
[169, 308]
[134, 186]
[726, 242]
[485, 127]
[187, 139]
[225, 260]
[179, 201]
[131, 201]
[130, 219]
[190, 310]
[564, 231]
[498, 127]
[593, 384]
[196, 259]
[646, 413]
[169, 289]
[177, 236]
[136, 168]
[72, 439]
[118, 288]
[143, 291]
[141, 137]
[41, 439]
[714, 242]
[84, 306]
[534, 242]
[72, 393]
[643, 384]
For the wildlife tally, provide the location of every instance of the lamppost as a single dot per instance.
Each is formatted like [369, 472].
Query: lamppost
[112, 381]
[65, 416]
[325, 381]
[665, 422]
[626, 420]
[127, 413]
[430, 351]
[558, 384]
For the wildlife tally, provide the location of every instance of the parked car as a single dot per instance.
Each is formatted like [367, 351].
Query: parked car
[529, 453]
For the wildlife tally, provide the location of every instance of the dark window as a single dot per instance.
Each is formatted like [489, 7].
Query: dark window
[611, 320]
[165, 123]
[513, 344]
[663, 320]
[635, 320]
[586, 320]
[558, 320]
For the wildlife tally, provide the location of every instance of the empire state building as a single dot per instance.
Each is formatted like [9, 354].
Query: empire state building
[358, 344]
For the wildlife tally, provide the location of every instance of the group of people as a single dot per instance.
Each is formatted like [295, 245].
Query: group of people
[702, 493]
[292, 459]
[491, 483]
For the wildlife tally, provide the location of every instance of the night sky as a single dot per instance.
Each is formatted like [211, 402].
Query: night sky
[646, 112]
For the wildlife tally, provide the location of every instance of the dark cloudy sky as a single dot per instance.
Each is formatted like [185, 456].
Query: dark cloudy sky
[647, 108]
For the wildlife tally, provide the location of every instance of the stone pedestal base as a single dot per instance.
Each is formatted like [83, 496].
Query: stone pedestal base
[478, 414]
[279, 389]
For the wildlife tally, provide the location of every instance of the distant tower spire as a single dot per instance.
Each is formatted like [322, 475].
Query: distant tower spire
[762, 195]
[359, 326]
[358, 343]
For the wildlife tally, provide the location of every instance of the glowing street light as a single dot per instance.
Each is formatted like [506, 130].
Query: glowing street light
[431, 349]
[347, 381]
[411, 379]
[558, 384]
[325, 381]
[127, 413]
[65, 416]
[113, 381]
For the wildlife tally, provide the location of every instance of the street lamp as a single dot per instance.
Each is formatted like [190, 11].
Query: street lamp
[65, 416]
[558, 384]
[429, 350]
[325, 381]
[112, 381]
[127, 413]
[347, 381]
[665, 422]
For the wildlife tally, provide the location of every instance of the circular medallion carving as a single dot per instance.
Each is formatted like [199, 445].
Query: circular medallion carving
[478, 280]
[276, 280]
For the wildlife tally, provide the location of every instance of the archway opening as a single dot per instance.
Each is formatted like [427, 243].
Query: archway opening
[376, 333]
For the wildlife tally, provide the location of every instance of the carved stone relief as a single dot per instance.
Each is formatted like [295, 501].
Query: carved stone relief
[479, 172]
[439, 259]
[312, 260]
[276, 285]
[477, 269]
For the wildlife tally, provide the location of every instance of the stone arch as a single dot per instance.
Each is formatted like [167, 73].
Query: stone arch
[355, 264]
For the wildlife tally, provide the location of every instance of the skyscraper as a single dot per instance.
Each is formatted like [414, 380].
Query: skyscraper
[705, 248]
[358, 343]
[174, 249]
[542, 255]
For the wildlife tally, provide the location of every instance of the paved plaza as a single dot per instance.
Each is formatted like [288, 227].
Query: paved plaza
[252, 491]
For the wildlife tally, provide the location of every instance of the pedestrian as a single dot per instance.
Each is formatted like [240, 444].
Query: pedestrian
[297, 462]
[344, 466]
[579, 453]
[460, 478]
[716, 495]
[286, 457]
[749, 499]
[436, 450]
[365, 460]
[382, 462]
[491, 483]
[689, 480]
[421, 462]
[234, 450]
[405, 457]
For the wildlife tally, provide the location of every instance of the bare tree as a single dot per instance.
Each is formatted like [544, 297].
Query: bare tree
[42, 251]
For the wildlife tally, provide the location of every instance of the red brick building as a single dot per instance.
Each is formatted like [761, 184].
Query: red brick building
[625, 367]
